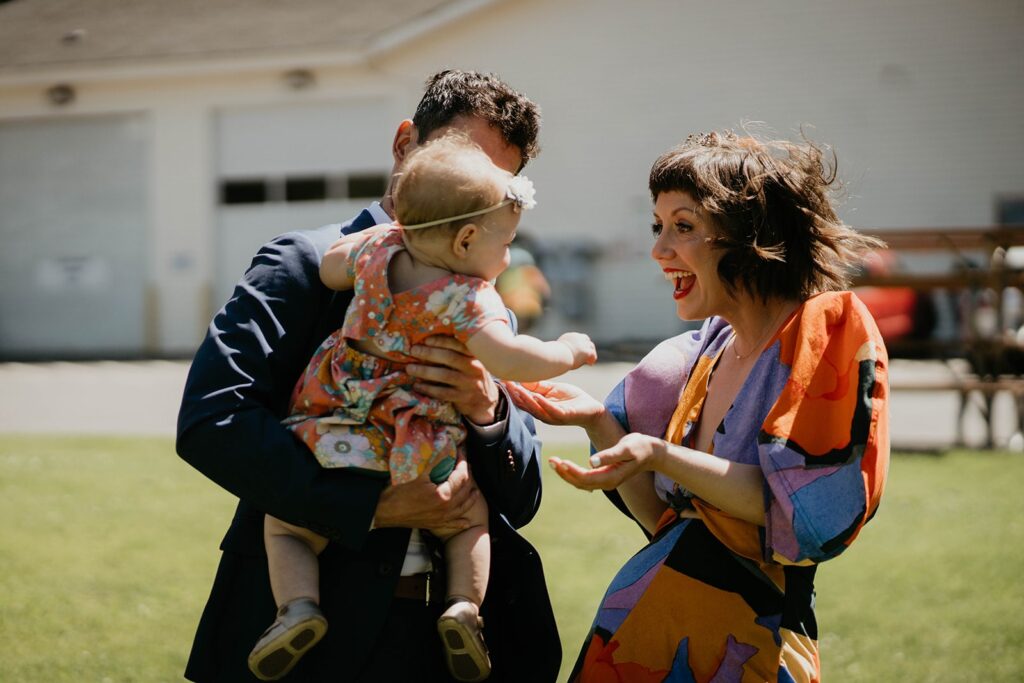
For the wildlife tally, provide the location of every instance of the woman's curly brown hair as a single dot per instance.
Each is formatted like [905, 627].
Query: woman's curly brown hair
[768, 202]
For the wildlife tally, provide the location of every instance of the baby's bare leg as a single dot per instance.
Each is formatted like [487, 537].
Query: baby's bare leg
[295, 582]
[467, 553]
[292, 560]
[468, 556]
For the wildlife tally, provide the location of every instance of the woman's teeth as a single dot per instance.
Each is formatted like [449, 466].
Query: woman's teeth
[676, 276]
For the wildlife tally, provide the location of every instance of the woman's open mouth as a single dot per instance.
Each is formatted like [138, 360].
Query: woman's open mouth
[683, 281]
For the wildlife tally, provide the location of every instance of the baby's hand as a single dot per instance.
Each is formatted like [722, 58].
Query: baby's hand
[583, 351]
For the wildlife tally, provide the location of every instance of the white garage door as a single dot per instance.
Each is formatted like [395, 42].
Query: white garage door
[294, 167]
[73, 220]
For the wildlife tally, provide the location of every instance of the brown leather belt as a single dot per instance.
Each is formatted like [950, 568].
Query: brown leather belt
[417, 587]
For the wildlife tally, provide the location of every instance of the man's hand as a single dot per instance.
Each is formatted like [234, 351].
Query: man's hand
[419, 504]
[450, 373]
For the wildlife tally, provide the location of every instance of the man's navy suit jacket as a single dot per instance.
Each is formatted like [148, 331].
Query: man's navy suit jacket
[229, 428]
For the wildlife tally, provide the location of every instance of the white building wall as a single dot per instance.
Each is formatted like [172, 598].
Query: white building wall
[186, 255]
[921, 100]
[182, 190]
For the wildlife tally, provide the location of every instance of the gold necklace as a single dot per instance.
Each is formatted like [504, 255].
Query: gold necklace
[771, 328]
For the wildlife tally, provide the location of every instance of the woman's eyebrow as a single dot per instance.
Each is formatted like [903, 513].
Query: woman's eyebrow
[678, 210]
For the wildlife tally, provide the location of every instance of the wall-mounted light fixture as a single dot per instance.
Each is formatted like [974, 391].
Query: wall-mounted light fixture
[60, 95]
[299, 79]
[74, 36]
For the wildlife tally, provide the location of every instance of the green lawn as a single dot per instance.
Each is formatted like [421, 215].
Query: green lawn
[109, 547]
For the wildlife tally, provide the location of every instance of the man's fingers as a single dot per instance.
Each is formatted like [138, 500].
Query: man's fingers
[431, 373]
[458, 493]
[460, 473]
[450, 343]
[452, 375]
[456, 481]
[456, 509]
[441, 356]
[438, 391]
[459, 515]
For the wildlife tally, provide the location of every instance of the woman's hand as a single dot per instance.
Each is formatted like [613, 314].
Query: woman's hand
[556, 403]
[633, 454]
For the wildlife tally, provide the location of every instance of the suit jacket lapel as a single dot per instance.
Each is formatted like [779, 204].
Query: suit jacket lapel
[363, 221]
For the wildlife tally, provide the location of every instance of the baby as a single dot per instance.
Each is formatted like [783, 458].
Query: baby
[431, 273]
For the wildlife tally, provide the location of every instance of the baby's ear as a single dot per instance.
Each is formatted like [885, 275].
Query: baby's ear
[464, 239]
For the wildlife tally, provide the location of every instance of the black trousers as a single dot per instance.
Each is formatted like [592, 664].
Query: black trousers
[408, 648]
[400, 642]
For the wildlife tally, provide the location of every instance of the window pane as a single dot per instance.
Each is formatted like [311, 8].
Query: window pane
[367, 185]
[243, 192]
[305, 189]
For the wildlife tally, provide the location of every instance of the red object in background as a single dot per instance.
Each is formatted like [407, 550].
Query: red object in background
[893, 308]
[900, 312]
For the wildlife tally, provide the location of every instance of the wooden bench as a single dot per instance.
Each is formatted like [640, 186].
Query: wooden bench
[968, 387]
[980, 253]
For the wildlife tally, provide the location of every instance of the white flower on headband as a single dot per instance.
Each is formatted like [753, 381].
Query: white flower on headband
[521, 192]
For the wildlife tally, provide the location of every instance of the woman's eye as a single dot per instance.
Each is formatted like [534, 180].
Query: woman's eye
[656, 229]
[683, 227]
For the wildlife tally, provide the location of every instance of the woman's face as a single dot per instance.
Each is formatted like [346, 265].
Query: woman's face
[686, 256]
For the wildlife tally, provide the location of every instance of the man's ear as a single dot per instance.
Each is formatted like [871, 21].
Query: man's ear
[406, 139]
[464, 239]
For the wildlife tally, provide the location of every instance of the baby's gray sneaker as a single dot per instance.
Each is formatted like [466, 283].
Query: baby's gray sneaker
[464, 647]
[298, 627]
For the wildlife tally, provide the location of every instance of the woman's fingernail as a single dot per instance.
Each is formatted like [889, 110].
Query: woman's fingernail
[594, 461]
[553, 464]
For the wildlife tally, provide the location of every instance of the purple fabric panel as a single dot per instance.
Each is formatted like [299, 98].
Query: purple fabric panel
[628, 596]
[779, 535]
[792, 479]
[653, 386]
[731, 668]
[776, 457]
[757, 396]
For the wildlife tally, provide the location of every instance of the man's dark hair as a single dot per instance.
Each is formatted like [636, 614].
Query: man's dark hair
[453, 93]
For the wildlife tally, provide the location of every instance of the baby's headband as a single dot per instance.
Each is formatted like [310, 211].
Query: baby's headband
[520, 192]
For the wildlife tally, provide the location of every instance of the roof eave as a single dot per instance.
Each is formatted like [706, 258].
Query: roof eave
[178, 67]
[205, 65]
[429, 22]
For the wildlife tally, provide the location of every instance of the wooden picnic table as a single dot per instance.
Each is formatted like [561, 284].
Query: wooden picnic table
[980, 264]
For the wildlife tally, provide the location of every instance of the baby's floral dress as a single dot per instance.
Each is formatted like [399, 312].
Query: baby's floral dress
[354, 409]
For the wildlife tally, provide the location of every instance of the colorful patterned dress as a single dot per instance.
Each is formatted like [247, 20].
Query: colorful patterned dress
[717, 598]
[353, 409]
